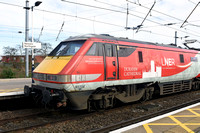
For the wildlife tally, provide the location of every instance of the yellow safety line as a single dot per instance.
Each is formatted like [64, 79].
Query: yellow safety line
[181, 124]
[192, 124]
[192, 111]
[171, 124]
[195, 108]
[185, 116]
[12, 90]
[177, 122]
[162, 124]
[147, 128]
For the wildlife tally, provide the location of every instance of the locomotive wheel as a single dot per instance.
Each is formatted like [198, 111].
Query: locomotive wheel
[101, 104]
[145, 96]
[37, 98]
[148, 94]
[196, 86]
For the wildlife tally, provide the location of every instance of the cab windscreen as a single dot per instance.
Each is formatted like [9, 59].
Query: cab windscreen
[67, 48]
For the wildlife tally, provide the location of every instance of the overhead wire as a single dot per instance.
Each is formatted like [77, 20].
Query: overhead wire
[10, 4]
[95, 7]
[159, 11]
[83, 17]
[130, 14]
[146, 8]
[189, 15]
[60, 30]
[146, 16]
[40, 33]
[155, 10]
[79, 17]
[192, 2]
[144, 31]
[108, 9]
[128, 9]
[99, 21]
[64, 14]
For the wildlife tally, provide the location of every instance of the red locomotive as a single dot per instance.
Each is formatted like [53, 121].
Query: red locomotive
[95, 71]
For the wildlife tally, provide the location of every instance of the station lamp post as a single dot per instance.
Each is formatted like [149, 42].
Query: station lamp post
[32, 58]
[27, 31]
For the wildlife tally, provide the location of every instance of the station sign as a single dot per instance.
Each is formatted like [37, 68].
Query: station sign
[33, 45]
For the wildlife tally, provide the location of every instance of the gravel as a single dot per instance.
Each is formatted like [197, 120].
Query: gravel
[104, 118]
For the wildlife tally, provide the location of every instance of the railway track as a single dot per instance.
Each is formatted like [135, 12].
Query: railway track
[103, 121]
[25, 116]
[30, 121]
[139, 119]
[16, 104]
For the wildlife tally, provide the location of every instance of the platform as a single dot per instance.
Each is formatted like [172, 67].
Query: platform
[185, 120]
[10, 88]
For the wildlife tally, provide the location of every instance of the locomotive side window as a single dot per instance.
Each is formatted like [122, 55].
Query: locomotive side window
[108, 49]
[67, 48]
[95, 50]
[125, 51]
[100, 50]
[140, 56]
[181, 58]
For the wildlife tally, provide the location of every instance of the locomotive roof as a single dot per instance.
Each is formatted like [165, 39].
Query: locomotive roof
[107, 36]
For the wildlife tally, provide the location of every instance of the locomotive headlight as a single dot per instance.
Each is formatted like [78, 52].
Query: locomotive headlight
[64, 78]
[51, 77]
[59, 78]
[39, 76]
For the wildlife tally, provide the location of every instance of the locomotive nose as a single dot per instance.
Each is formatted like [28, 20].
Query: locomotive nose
[52, 65]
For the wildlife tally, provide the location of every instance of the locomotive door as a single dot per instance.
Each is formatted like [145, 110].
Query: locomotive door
[110, 62]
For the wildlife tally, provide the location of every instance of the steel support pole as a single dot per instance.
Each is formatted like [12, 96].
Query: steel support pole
[26, 38]
[32, 50]
[175, 38]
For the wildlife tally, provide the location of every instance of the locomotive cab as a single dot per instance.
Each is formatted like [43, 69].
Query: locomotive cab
[53, 73]
[59, 57]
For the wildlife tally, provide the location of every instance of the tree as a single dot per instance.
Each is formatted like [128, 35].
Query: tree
[20, 49]
[45, 48]
[9, 51]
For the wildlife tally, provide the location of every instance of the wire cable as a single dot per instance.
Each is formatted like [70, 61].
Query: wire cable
[102, 21]
[130, 14]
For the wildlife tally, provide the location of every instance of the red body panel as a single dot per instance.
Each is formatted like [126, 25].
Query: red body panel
[91, 65]
[130, 68]
[166, 60]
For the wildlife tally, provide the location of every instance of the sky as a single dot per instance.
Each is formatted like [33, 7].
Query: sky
[80, 17]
